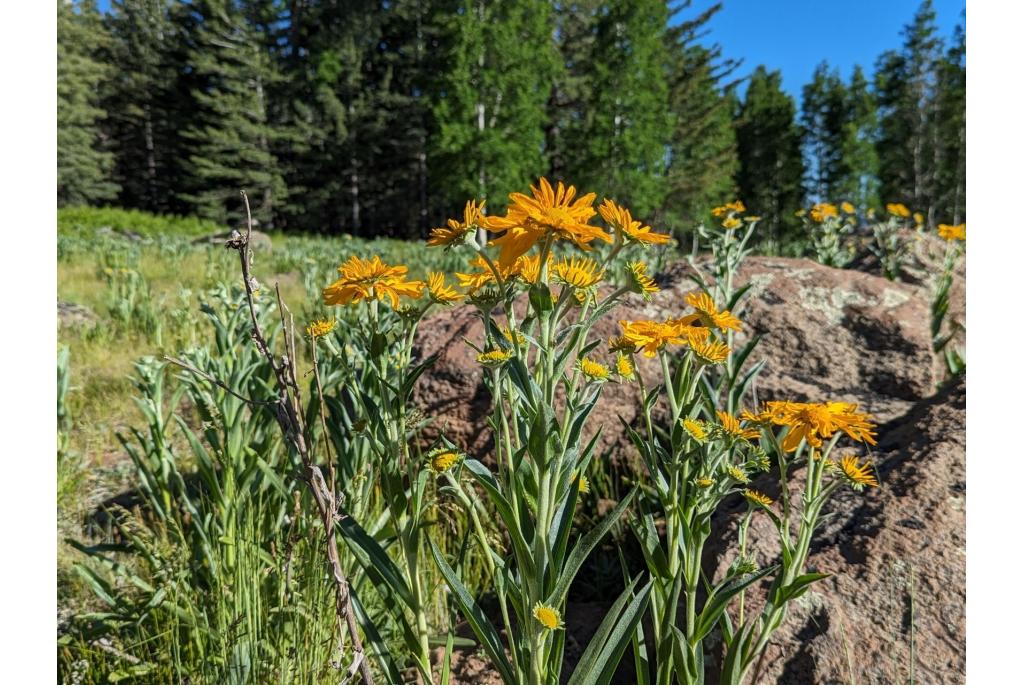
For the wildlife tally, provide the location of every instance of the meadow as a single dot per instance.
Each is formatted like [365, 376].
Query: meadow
[205, 474]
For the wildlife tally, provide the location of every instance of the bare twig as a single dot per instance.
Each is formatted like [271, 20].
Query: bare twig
[290, 419]
[207, 377]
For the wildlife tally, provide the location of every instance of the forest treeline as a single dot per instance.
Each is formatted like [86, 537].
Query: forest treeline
[383, 117]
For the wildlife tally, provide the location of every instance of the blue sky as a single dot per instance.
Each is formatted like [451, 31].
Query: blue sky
[795, 35]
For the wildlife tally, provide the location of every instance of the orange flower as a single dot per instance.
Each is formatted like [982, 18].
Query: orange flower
[631, 230]
[455, 233]
[366, 278]
[812, 422]
[709, 314]
[549, 212]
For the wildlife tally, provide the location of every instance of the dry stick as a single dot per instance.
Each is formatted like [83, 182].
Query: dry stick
[289, 417]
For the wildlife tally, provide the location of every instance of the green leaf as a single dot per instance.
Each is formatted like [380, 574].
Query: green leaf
[598, 662]
[378, 648]
[373, 558]
[485, 478]
[584, 546]
[799, 586]
[719, 600]
[481, 625]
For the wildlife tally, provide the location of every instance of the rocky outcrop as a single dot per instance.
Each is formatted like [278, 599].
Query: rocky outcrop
[826, 334]
[896, 601]
[71, 314]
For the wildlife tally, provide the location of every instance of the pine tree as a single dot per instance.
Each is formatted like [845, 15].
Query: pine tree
[621, 139]
[951, 158]
[84, 166]
[702, 158]
[575, 33]
[905, 84]
[490, 100]
[771, 165]
[143, 102]
[823, 116]
[231, 136]
[858, 180]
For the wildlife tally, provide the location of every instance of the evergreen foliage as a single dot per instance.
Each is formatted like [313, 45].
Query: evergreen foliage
[84, 165]
[383, 118]
[768, 139]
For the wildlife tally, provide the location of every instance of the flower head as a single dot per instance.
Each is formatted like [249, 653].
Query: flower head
[695, 429]
[709, 314]
[732, 426]
[704, 482]
[548, 616]
[582, 273]
[848, 208]
[951, 233]
[622, 221]
[732, 207]
[858, 475]
[493, 358]
[367, 278]
[710, 351]
[919, 218]
[756, 498]
[822, 211]
[624, 368]
[583, 481]
[439, 291]
[320, 328]
[550, 211]
[651, 336]
[898, 209]
[594, 371]
[456, 232]
[442, 459]
[639, 281]
[812, 422]
[737, 474]
[513, 336]
[731, 223]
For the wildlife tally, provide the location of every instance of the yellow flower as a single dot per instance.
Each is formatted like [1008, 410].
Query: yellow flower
[624, 368]
[367, 278]
[442, 459]
[710, 351]
[731, 223]
[549, 212]
[709, 314]
[704, 482]
[577, 272]
[757, 499]
[812, 422]
[898, 209]
[548, 616]
[513, 336]
[695, 429]
[957, 232]
[731, 425]
[526, 268]
[848, 208]
[631, 230]
[651, 336]
[456, 232]
[737, 474]
[737, 206]
[919, 218]
[639, 281]
[751, 219]
[594, 371]
[857, 475]
[822, 211]
[439, 291]
[320, 328]
[584, 483]
[494, 357]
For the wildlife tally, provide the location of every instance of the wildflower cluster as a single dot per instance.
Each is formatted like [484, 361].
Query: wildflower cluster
[539, 302]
